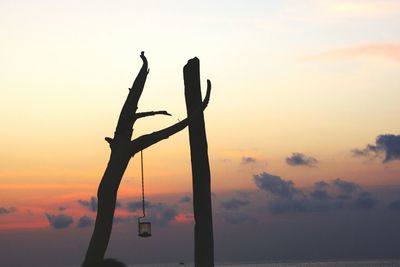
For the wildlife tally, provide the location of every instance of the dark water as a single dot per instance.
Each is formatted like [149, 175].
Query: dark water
[367, 263]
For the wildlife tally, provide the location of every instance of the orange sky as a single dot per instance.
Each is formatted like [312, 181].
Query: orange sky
[320, 79]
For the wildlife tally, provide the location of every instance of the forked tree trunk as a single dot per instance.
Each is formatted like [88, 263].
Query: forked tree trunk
[123, 148]
[203, 229]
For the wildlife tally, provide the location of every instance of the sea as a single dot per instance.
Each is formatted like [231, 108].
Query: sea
[365, 263]
[359, 263]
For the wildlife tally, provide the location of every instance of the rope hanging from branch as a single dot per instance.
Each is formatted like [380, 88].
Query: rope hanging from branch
[144, 227]
[141, 167]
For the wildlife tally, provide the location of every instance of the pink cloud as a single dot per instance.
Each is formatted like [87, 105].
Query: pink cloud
[184, 218]
[359, 8]
[389, 51]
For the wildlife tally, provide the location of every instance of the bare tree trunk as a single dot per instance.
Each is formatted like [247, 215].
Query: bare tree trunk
[203, 229]
[122, 149]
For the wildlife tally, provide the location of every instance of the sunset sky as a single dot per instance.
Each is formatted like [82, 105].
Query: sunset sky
[302, 125]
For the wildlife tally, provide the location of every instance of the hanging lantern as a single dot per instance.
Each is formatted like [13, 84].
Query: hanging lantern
[144, 227]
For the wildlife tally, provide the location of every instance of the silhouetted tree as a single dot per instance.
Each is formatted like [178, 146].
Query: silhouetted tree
[203, 229]
[123, 148]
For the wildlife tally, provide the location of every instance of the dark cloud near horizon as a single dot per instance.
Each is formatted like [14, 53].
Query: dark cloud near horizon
[304, 204]
[368, 151]
[236, 209]
[62, 208]
[275, 185]
[248, 160]
[338, 194]
[319, 194]
[118, 219]
[386, 144]
[59, 221]
[238, 218]
[85, 221]
[320, 191]
[4, 210]
[299, 159]
[125, 219]
[234, 204]
[391, 145]
[162, 214]
[91, 204]
[346, 187]
[394, 205]
[364, 201]
[185, 199]
[134, 206]
[159, 214]
[242, 193]
[321, 185]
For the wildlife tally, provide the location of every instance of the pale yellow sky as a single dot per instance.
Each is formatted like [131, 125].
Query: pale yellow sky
[321, 79]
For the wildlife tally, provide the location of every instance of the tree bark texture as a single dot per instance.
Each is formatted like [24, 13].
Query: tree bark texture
[203, 229]
[123, 148]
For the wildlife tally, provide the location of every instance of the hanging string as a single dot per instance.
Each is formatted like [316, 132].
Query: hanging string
[141, 165]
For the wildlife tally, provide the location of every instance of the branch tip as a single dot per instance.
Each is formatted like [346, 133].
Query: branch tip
[143, 57]
[208, 93]
[109, 140]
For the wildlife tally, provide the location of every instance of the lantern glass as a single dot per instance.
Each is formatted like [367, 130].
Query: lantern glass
[144, 229]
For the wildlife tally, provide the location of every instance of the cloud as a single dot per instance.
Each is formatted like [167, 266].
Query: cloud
[365, 201]
[238, 218]
[91, 204]
[124, 219]
[62, 208]
[85, 221]
[275, 185]
[368, 151]
[394, 205]
[234, 204]
[185, 199]
[319, 194]
[345, 187]
[59, 221]
[334, 195]
[317, 200]
[386, 144]
[248, 160]
[389, 51]
[390, 144]
[118, 219]
[159, 214]
[299, 159]
[321, 185]
[242, 193]
[290, 205]
[184, 218]
[305, 204]
[137, 205]
[4, 210]
[162, 214]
